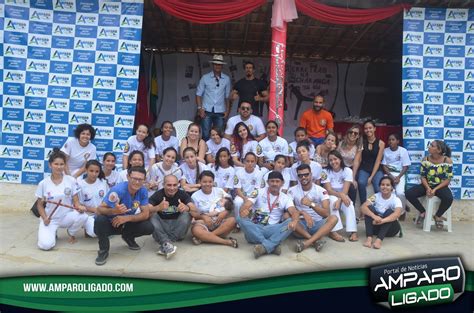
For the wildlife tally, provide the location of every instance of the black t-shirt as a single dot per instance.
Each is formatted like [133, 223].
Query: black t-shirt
[172, 211]
[248, 89]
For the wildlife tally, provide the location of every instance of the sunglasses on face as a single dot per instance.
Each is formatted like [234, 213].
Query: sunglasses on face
[245, 108]
[353, 133]
[303, 175]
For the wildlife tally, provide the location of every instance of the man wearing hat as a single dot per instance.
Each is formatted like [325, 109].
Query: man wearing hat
[260, 217]
[212, 97]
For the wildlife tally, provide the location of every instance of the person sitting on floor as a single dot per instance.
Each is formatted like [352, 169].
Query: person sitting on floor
[382, 211]
[260, 218]
[312, 202]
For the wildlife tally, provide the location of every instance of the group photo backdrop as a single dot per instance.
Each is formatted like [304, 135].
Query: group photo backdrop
[438, 90]
[64, 63]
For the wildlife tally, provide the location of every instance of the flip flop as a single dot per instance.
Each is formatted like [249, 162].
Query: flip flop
[439, 223]
[351, 238]
[337, 237]
[235, 244]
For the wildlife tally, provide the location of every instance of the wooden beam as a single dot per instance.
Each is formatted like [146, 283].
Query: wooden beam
[317, 41]
[267, 28]
[169, 38]
[386, 34]
[246, 32]
[335, 42]
[362, 34]
[226, 38]
[293, 48]
[190, 35]
[209, 46]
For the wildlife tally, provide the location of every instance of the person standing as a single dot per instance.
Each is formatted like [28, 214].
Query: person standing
[317, 121]
[212, 97]
[251, 89]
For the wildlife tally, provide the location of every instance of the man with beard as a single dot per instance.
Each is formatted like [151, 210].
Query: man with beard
[317, 121]
[250, 89]
[255, 124]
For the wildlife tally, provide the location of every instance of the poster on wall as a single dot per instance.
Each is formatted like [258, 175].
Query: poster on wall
[438, 90]
[65, 63]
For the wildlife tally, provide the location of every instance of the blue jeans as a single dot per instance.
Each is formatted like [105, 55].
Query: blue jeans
[269, 236]
[362, 179]
[317, 141]
[211, 119]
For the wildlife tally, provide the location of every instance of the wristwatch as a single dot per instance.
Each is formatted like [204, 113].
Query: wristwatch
[312, 205]
[199, 108]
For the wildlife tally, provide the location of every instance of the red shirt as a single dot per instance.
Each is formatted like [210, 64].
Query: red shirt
[316, 123]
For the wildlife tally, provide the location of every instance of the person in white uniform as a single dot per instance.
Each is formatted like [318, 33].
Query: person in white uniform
[93, 188]
[79, 150]
[337, 179]
[253, 122]
[395, 164]
[165, 140]
[272, 145]
[56, 195]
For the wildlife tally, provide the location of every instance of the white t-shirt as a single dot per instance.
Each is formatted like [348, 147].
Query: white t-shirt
[382, 205]
[248, 182]
[212, 147]
[263, 213]
[316, 194]
[316, 170]
[224, 177]
[161, 145]
[78, 155]
[91, 195]
[336, 179]
[122, 177]
[254, 123]
[286, 178]
[210, 204]
[250, 146]
[269, 149]
[133, 144]
[190, 174]
[112, 179]
[158, 173]
[293, 145]
[64, 191]
[397, 159]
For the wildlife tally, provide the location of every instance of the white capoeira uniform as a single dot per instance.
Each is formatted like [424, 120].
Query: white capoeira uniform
[91, 195]
[63, 217]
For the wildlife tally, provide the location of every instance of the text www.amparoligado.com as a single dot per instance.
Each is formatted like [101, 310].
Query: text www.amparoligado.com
[77, 287]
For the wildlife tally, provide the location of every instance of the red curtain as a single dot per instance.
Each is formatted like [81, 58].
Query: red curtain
[209, 11]
[335, 15]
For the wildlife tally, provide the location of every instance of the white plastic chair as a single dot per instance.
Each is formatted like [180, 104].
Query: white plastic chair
[431, 204]
[181, 128]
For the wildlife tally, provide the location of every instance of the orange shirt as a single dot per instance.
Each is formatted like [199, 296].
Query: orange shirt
[316, 123]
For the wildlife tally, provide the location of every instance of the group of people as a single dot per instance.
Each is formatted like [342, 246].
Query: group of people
[243, 176]
[247, 178]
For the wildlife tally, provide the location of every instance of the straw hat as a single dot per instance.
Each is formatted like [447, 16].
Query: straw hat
[217, 59]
